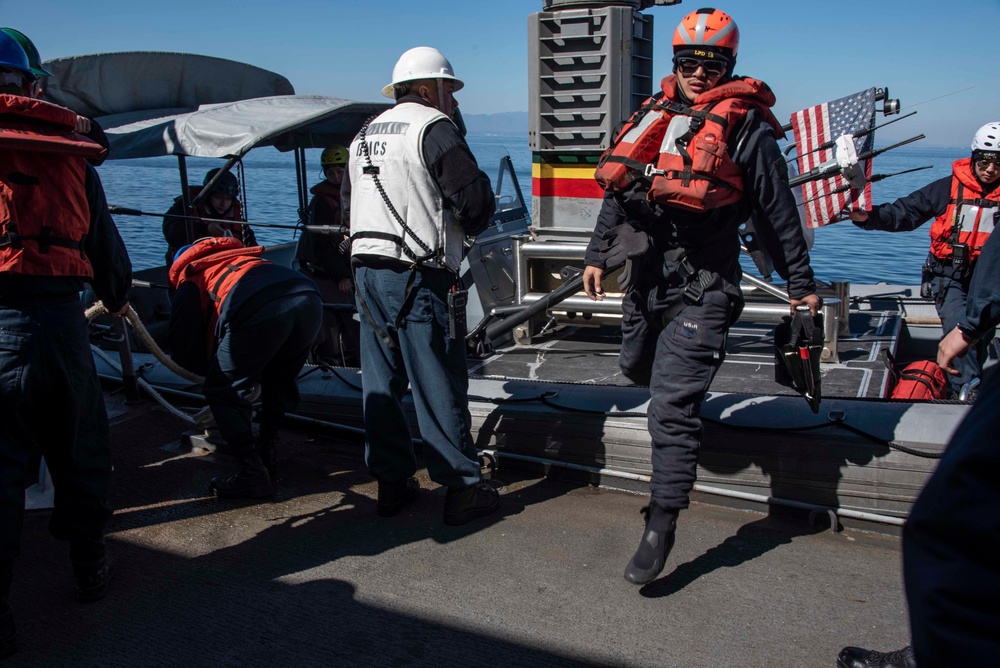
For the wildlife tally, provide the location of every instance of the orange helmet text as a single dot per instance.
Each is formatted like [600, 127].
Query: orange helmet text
[708, 28]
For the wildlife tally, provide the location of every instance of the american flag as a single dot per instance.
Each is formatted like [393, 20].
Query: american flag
[820, 125]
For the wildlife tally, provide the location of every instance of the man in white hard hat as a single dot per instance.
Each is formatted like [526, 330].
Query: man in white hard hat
[412, 195]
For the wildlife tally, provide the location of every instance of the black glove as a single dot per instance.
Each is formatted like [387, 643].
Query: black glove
[864, 224]
[623, 245]
[344, 247]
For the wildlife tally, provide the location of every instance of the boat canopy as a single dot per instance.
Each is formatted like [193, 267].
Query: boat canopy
[155, 104]
[232, 129]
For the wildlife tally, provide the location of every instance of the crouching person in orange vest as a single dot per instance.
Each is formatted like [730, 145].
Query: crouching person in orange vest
[241, 321]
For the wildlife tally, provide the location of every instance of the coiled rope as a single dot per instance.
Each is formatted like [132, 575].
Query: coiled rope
[132, 318]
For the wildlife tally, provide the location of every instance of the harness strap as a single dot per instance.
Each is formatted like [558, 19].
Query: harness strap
[373, 171]
[698, 118]
[686, 176]
[12, 238]
[696, 283]
[400, 316]
[213, 292]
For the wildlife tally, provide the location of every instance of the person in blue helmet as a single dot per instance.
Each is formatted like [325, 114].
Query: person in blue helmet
[56, 234]
[210, 217]
[84, 125]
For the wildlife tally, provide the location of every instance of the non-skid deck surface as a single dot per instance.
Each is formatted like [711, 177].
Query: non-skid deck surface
[590, 355]
[315, 578]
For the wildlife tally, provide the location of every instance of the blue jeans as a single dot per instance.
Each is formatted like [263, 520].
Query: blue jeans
[266, 343]
[678, 362]
[50, 400]
[430, 362]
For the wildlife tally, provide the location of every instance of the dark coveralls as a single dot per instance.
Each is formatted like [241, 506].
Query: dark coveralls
[952, 537]
[268, 323]
[678, 359]
[50, 396]
[425, 357]
[321, 258]
[949, 283]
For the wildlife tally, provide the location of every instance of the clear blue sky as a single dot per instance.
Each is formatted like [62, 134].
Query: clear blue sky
[807, 51]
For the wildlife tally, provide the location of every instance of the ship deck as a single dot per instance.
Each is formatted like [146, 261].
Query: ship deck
[315, 578]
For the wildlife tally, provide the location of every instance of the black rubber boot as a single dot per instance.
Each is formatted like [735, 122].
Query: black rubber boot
[464, 504]
[657, 541]
[252, 481]
[91, 568]
[8, 632]
[856, 657]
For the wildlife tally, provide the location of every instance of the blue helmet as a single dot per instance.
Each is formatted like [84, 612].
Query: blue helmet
[180, 251]
[12, 55]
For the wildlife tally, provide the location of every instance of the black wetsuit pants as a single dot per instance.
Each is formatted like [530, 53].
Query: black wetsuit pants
[678, 362]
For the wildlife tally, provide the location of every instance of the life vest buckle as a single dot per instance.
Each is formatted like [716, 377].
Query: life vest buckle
[652, 171]
[10, 236]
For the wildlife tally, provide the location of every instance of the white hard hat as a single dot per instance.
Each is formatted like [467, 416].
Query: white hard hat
[421, 62]
[987, 138]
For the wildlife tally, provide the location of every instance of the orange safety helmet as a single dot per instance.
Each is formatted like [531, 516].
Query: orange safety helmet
[708, 28]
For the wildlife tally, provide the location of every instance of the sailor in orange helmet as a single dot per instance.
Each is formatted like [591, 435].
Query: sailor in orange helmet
[693, 165]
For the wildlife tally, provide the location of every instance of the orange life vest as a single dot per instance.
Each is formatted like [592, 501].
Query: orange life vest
[680, 150]
[969, 218]
[214, 265]
[44, 212]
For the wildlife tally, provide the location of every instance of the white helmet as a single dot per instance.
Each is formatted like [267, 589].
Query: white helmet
[987, 138]
[421, 62]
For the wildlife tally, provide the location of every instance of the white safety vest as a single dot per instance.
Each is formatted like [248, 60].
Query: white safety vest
[395, 142]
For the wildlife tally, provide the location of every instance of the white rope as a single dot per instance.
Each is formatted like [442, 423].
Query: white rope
[147, 340]
[146, 386]
[132, 318]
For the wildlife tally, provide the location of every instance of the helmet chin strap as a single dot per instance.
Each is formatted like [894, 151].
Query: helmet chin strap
[440, 87]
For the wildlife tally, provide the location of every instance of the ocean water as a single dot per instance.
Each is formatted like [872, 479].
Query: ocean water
[841, 252]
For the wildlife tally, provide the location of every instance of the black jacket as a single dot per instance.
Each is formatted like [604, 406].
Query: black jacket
[711, 239]
[910, 212]
[982, 305]
[187, 336]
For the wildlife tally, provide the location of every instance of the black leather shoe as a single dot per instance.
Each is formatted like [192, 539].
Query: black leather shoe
[252, 481]
[8, 632]
[657, 541]
[463, 504]
[92, 579]
[266, 447]
[394, 496]
[856, 657]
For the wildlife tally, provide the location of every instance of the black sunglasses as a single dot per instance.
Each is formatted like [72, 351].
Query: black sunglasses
[688, 66]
